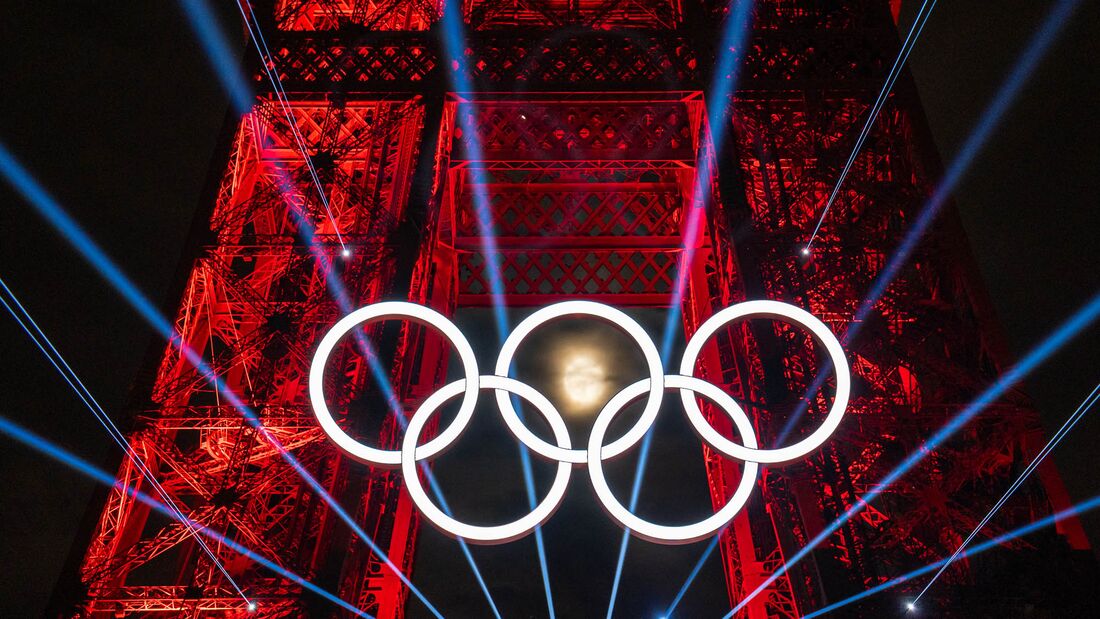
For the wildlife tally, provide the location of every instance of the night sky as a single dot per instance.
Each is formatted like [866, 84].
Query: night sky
[114, 108]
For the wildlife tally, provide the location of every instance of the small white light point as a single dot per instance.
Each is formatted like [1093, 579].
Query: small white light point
[909, 606]
[251, 607]
[805, 251]
[346, 253]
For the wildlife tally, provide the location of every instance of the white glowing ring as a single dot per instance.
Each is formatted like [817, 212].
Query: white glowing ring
[496, 534]
[624, 323]
[561, 452]
[665, 534]
[782, 311]
[383, 311]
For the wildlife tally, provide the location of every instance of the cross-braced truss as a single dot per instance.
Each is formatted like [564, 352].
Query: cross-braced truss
[253, 306]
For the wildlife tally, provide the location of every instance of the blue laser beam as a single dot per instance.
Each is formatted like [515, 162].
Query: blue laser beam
[694, 573]
[218, 51]
[205, 25]
[267, 62]
[635, 492]
[453, 38]
[907, 46]
[454, 35]
[26, 322]
[1069, 424]
[1069, 512]
[1069, 329]
[41, 445]
[723, 84]
[63, 223]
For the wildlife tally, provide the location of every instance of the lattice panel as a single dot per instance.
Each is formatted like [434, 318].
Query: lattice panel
[368, 14]
[213, 488]
[645, 274]
[321, 63]
[338, 129]
[488, 14]
[811, 145]
[611, 57]
[252, 313]
[593, 130]
[614, 58]
[534, 211]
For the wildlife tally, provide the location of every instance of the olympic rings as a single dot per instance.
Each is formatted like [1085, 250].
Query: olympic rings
[561, 450]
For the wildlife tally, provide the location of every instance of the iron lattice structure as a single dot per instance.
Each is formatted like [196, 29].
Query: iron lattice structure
[592, 128]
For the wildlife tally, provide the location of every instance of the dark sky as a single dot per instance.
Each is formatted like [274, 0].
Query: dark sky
[113, 107]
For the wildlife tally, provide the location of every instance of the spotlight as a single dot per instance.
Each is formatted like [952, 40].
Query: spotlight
[909, 606]
[251, 607]
[346, 253]
[805, 251]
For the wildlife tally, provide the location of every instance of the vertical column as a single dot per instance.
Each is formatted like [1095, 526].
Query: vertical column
[751, 549]
[417, 360]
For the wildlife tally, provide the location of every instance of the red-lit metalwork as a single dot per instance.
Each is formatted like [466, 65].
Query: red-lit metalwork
[253, 304]
[592, 125]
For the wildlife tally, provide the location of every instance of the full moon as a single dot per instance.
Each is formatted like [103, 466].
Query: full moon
[583, 379]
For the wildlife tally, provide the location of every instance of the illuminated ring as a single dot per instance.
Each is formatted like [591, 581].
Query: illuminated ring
[497, 534]
[617, 318]
[782, 311]
[561, 452]
[382, 311]
[665, 534]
